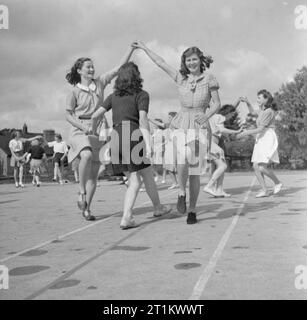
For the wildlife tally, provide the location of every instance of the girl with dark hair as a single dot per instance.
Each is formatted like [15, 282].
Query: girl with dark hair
[266, 145]
[130, 139]
[219, 166]
[85, 98]
[16, 146]
[191, 128]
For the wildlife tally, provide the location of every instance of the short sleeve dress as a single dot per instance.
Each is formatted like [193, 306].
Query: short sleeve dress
[266, 144]
[17, 147]
[83, 101]
[127, 143]
[192, 141]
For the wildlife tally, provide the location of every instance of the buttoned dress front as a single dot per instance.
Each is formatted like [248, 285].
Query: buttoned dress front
[83, 101]
[193, 141]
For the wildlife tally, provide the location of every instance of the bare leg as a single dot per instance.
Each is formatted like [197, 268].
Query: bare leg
[20, 174]
[131, 194]
[76, 175]
[55, 171]
[259, 176]
[59, 172]
[220, 170]
[150, 186]
[183, 173]
[16, 176]
[84, 168]
[92, 183]
[194, 192]
[163, 175]
[268, 172]
[173, 177]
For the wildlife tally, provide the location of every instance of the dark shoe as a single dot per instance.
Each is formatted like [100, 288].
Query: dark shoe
[82, 204]
[181, 204]
[191, 218]
[88, 216]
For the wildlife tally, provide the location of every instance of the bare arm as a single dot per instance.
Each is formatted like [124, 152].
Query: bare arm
[75, 122]
[250, 132]
[229, 131]
[98, 114]
[157, 123]
[112, 73]
[144, 127]
[249, 106]
[159, 61]
[216, 105]
[31, 139]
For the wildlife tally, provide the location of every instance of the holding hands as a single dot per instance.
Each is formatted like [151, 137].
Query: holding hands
[138, 45]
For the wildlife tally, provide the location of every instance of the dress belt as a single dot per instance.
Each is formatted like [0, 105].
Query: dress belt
[187, 109]
[85, 117]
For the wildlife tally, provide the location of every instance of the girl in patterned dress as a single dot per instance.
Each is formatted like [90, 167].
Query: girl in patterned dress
[191, 128]
[85, 98]
[266, 145]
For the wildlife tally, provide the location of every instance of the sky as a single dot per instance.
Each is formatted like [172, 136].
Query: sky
[254, 45]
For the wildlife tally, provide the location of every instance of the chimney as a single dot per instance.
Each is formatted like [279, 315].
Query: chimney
[24, 129]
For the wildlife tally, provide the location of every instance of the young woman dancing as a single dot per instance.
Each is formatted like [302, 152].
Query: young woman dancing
[196, 90]
[266, 145]
[130, 140]
[215, 184]
[85, 98]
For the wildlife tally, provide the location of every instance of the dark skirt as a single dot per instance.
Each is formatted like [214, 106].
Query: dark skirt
[128, 149]
[57, 159]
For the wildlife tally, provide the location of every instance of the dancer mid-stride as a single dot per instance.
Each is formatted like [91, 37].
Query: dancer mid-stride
[266, 145]
[85, 98]
[196, 89]
[130, 140]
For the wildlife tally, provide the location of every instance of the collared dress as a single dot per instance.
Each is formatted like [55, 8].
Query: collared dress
[17, 147]
[193, 141]
[83, 101]
[266, 144]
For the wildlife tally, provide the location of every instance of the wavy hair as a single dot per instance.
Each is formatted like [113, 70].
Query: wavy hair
[270, 103]
[73, 77]
[205, 61]
[128, 80]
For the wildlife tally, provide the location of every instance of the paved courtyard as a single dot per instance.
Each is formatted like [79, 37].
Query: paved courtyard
[242, 247]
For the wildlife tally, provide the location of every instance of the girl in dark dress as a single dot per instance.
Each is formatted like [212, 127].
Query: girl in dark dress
[130, 139]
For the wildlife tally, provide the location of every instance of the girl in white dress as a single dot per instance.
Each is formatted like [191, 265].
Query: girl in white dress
[266, 144]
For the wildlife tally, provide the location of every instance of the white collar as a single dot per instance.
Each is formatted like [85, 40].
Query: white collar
[91, 87]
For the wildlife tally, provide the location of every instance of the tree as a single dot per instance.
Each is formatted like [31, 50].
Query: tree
[292, 125]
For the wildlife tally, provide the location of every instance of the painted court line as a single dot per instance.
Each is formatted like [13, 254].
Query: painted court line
[43, 244]
[80, 266]
[205, 276]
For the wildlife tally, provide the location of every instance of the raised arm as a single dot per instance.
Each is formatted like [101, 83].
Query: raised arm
[159, 61]
[249, 106]
[107, 77]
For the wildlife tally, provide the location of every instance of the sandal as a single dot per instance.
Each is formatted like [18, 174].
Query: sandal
[88, 216]
[82, 204]
[128, 225]
[163, 210]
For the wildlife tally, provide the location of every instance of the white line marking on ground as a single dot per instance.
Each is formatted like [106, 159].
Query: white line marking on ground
[43, 244]
[205, 276]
